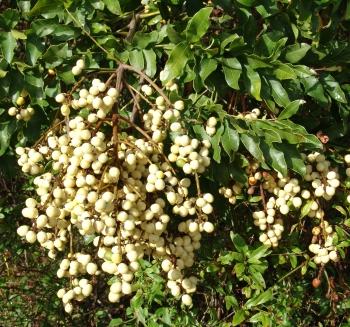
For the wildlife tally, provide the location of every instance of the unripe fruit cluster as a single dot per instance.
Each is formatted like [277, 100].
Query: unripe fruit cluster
[120, 191]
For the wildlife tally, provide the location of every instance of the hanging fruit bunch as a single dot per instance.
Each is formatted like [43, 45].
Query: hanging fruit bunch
[132, 188]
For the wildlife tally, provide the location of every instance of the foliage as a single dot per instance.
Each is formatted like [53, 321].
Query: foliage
[290, 59]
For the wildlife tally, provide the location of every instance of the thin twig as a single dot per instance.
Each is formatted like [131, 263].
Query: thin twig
[262, 194]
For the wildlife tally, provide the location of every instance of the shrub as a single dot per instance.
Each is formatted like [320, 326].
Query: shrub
[177, 150]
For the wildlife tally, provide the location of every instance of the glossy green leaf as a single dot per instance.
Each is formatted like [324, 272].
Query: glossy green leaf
[260, 252]
[253, 82]
[238, 317]
[9, 19]
[314, 88]
[232, 71]
[7, 45]
[207, 67]
[239, 242]
[283, 71]
[279, 94]
[305, 209]
[334, 89]
[34, 49]
[177, 61]
[198, 25]
[291, 109]
[215, 141]
[6, 131]
[262, 317]
[260, 299]
[251, 143]
[56, 54]
[294, 53]
[113, 6]
[274, 158]
[230, 140]
[47, 6]
[293, 158]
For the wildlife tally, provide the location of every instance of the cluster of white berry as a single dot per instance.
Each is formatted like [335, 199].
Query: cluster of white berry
[322, 244]
[286, 195]
[347, 171]
[78, 68]
[21, 113]
[97, 97]
[117, 191]
[323, 178]
[190, 154]
[210, 127]
[231, 193]
[30, 160]
[253, 115]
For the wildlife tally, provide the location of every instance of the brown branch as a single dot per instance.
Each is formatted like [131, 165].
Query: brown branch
[136, 109]
[149, 80]
[262, 194]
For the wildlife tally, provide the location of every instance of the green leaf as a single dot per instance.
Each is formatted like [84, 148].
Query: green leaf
[248, 3]
[340, 209]
[239, 269]
[253, 82]
[47, 6]
[116, 322]
[177, 61]
[56, 54]
[34, 49]
[256, 62]
[230, 140]
[291, 109]
[334, 89]
[18, 35]
[230, 301]
[238, 318]
[232, 71]
[151, 62]
[275, 158]
[7, 45]
[113, 6]
[233, 41]
[260, 299]
[136, 59]
[284, 71]
[198, 25]
[239, 242]
[6, 131]
[260, 252]
[293, 157]
[215, 141]
[9, 19]
[207, 67]
[262, 317]
[228, 258]
[305, 209]
[296, 52]
[279, 94]
[251, 143]
[314, 88]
